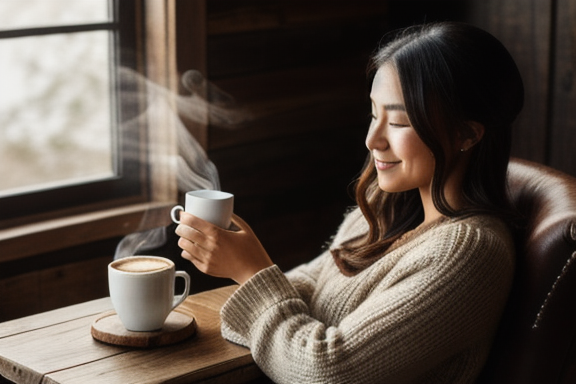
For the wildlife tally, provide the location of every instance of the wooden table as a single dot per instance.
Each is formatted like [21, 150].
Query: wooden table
[57, 347]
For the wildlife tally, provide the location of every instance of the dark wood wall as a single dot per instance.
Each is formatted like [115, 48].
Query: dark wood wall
[297, 67]
[541, 35]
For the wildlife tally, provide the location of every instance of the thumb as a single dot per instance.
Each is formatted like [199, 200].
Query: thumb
[239, 224]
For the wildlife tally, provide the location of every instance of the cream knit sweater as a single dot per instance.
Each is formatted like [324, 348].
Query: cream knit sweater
[424, 313]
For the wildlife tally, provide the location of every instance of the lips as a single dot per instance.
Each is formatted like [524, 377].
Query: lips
[385, 165]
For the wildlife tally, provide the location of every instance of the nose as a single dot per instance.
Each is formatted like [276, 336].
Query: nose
[376, 137]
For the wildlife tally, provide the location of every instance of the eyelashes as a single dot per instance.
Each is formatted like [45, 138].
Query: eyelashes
[391, 123]
[399, 125]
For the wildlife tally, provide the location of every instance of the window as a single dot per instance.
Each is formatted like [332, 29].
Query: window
[63, 142]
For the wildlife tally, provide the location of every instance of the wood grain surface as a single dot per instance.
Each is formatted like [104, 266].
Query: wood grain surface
[57, 347]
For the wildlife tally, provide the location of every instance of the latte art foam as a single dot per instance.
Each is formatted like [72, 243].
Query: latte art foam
[141, 264]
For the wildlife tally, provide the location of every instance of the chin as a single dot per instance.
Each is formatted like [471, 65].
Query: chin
[388, 188]
[394, 188]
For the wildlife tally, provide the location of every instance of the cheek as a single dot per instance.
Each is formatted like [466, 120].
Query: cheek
[407, 145]
[415, 154]
[426, 165]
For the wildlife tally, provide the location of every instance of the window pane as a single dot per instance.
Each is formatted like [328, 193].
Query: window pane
[55, 110]
[16, 14]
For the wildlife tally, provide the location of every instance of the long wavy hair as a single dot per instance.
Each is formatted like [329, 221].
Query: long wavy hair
[451, 74]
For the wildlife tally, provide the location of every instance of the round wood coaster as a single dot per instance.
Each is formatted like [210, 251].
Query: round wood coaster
[108, 329]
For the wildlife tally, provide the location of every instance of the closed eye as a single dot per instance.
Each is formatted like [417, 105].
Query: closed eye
[399, 125]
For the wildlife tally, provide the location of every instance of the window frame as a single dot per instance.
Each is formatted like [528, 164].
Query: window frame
[154, 55]
[130, 180]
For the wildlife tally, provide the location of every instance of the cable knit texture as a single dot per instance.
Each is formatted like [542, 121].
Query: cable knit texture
[426, 312]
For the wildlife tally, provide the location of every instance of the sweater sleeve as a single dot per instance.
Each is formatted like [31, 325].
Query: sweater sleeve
[421, 314]
[305, 276]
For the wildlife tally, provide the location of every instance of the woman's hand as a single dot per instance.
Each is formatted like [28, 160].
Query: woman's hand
[235, 254]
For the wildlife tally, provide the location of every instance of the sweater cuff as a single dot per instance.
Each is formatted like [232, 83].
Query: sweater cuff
[263, 291]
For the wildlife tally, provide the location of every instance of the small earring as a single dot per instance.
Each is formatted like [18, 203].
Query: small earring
[462, 150]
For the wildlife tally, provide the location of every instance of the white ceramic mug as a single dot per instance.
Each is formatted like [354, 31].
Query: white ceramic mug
[213, 206]
[142, 291]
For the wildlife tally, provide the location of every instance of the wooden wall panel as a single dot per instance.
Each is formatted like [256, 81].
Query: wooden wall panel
[263, 35]
[282, 48]
[74, 282]
[524, 27]
[20, 296]
[288, 102]
[563, 127]
[42, 290]
[296, 69]
[233, 16]
[191, 39]
[51, 280]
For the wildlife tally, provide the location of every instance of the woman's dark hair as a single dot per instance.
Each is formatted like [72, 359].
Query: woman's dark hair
[451, 74]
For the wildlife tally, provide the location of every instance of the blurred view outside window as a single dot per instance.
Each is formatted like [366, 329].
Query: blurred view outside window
[56, 106]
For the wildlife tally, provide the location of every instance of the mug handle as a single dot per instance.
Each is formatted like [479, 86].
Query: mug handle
[173, 213]
[179, 299]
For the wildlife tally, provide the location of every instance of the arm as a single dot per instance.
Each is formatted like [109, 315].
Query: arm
[304, 277]
[420, 313]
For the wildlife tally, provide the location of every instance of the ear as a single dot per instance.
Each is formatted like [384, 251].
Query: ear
[470, 135]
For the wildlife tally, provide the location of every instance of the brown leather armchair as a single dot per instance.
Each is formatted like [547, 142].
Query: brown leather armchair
[536, 342]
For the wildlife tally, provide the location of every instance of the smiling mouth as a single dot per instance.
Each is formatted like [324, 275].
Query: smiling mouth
[385, 165]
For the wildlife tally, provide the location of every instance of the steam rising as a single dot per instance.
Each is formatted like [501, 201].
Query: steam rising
[202, 102]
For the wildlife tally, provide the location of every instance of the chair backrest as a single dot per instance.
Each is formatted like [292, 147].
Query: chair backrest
[536, 342]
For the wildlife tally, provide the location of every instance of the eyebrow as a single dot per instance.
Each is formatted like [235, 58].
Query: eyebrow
[395, 107]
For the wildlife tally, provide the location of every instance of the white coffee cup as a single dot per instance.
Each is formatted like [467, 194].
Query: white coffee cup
[142, 291]
[213, 206]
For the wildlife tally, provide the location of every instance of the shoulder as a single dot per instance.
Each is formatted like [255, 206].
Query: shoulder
[476, 238]
[478, 228]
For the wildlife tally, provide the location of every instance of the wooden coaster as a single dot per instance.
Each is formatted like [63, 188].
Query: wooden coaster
[108, 329]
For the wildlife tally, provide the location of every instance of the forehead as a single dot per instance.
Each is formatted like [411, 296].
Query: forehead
[386, 88]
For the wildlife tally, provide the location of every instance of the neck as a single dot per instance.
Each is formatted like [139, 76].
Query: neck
[430, 211]
[452, 194]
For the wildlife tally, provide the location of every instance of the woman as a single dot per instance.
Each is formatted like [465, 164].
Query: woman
[414, 283]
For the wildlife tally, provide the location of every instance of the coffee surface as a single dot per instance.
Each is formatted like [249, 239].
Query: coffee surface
[141, 264]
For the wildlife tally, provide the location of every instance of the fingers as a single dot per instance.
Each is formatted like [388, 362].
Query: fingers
[198, 263]
[198, 240]
[189, 233]
[188, 256]
[192, 240]
[202, 261]
[237, 225]
[194, 222]
[194, 253]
